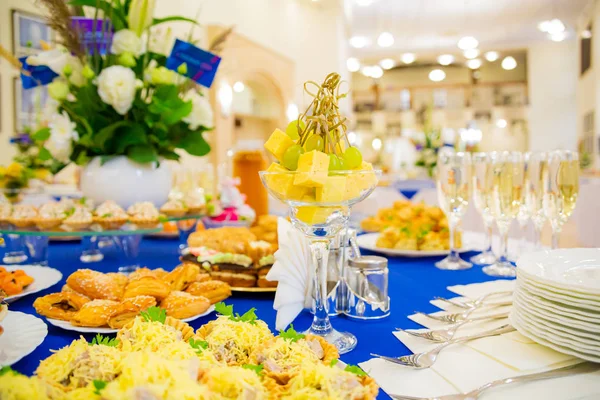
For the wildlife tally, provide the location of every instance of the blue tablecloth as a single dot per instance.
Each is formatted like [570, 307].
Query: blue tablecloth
[413, 282]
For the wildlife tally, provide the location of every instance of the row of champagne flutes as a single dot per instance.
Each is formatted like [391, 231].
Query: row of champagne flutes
[534, 186]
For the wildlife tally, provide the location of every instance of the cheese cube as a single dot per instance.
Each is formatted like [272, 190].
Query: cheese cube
[312, 169]
[282, 183]
[278, 143]
[363, 181]
[352, 191]
[333, 190]
[313, 215]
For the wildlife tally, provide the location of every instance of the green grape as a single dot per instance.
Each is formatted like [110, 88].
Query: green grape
[291, 156]
[334, 163]
[314, 142]
[343, 164]
[292, 129]
[353, 157]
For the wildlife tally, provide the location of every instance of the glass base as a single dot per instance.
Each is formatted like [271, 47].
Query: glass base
[484, 258]
[128, 269]
[14, 257]
[91, 256]
[453, 264]
[503, 269]
[343, 341]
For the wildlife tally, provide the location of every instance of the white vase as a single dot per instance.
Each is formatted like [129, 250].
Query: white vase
[126, 182]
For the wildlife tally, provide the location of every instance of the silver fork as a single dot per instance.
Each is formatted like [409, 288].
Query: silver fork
[428, 358]
[480, 301]
[445, 334]
[460, 317]
[583, 368]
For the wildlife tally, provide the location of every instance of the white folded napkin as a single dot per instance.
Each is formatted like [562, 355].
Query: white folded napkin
[292, 269]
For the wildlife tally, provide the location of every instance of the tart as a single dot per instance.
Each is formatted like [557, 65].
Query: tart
[50, 216]
[144, 215]
[196, 203]
[110, 216]
[23, 216]
[78, 219]
[5, 212]
[174, 208]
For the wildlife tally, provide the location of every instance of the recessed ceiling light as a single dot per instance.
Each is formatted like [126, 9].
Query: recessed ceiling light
[471, 53]
[376, 72]
[492, 56]
[385, 39]
[387, 63]
[474, 63]
[437, 75]
[376, 144]
[352, 64]
[586, 34]
[408, 58]
[552, 26]
[445, 59]
[358, 42]
[558, 36]
[468, 42]
[509, 63]
[239, 87]
[501, 123]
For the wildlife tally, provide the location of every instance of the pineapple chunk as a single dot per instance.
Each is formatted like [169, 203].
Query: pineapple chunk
[278, 143]
[313, 215]
[283, 184]
[312, 169]
[333, 190]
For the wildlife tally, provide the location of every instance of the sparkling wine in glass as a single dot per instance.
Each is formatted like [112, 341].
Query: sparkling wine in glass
[453, 188]
[534, 192]
[482, 193]
[508, 180]
[561, 188]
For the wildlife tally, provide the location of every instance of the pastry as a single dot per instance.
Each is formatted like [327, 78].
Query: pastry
[195, 202]
[202, 276]
[110, 216]
[214, 291]
[235, 279]
[23, 216]
[128, 309]
[174, 208]
[147, 286]
[50, 216]
[14, 282]
[262, 279]
[61, 306]
[182, 276]
[5, 212]
[144, 215]
[78, 218]
[226, 240]
[97, 285]
[144, 271]
[94, 313]
[183, 305]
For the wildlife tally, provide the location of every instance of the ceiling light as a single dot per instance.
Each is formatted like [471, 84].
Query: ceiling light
[352, 64]
[501, 123]
[474, 63]
[385, 39]
[437, 75]
[586, 34]
[467, 42]
[376, 72]
[292, 112]
[358, 42]
[239, 87]
[492, 56]
[376, 144]
[364, 3]
[387, 63]
[509, 63]
[445, 59]
[352, 137]
[366, 71]
[471, 53]
[225, 97]
[553, 26]
[408, 58]
[558, 36]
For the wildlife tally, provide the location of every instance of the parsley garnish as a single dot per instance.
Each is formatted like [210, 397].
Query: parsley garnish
[355, 369]
[99, 385]
[198, 345]
[83, 200]
[256, 368]
[104, 340]
[70, 212]
[162, 219]
[154, 314]
[249, 316]
[291, 334]
[333, 362]
[107, 215]
[7, 370]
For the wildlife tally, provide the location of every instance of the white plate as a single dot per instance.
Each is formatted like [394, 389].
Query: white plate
[43, 278]
[368, 241]
[592, 306]
[525, 330]
[23, 333]
[573, 269]
[67, 325]
[531, 280]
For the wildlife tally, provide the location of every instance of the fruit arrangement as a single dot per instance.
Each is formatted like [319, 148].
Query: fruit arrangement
[316, 146]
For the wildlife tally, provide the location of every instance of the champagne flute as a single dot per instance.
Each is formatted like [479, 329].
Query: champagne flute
[523, 216]
[453, 187]
[508, 172]
[534, 192]
[482, 191]
[561, 188]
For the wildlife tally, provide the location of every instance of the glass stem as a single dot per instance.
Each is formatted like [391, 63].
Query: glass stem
[452, 225]
[555, 235]
[504, 246]
[537, 234]
[488, 238]
[320, 254]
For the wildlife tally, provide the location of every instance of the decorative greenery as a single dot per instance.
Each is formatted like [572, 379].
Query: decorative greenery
[8, 370]
[104, 340]
[99, 385]
[291, 334]
[428, 144]
[355, 369]
[154, 314]
[249, 316]
[198, 345]
[256, 368]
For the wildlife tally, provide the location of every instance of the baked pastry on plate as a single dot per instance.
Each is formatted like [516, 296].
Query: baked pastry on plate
[94, 313]
[147, 285]
[144, 215]
[97, 285]
[183, 305]
[62, 306]
[23, 216]
[214, 291]
[110, 216]
[174, 208]
[5, 211]
[50, 216]
[78, 218]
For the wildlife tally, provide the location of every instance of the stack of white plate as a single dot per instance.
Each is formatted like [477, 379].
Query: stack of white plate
[556, 301]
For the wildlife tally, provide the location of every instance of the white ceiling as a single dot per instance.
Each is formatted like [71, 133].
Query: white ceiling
[426, 26]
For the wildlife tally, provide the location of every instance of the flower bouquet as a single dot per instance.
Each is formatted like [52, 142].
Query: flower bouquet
[13, 178]
[427, 144]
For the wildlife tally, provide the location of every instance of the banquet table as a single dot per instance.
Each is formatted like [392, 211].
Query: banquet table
[413, 282]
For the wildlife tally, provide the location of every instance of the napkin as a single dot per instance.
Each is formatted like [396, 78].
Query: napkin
[292, 269]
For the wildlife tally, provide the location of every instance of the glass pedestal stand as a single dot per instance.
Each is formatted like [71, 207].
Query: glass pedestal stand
[91, 249]
[130, 246]
[186, 225]
[15, 248]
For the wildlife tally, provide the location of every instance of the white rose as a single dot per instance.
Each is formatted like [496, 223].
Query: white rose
[161, 42]
[126, 41]
[62, 133]
[201, 114]
[57, 60]
[117, 86]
